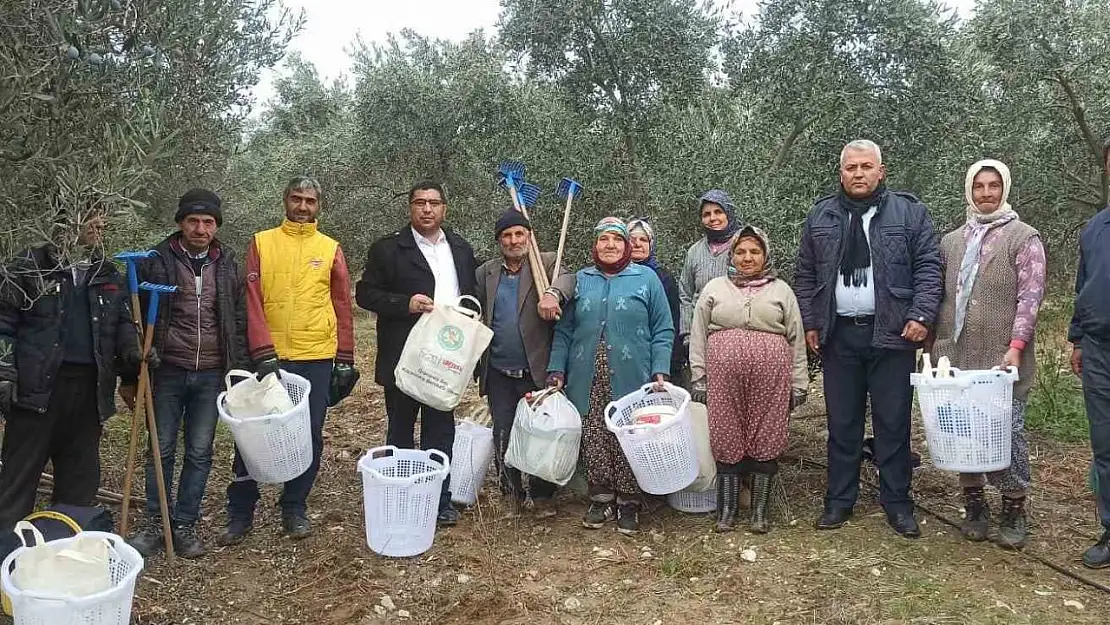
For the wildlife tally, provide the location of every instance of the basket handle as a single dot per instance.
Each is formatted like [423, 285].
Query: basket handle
[389, 450]
[443, 459]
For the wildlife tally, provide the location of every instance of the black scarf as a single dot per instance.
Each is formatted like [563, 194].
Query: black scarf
[857, 254]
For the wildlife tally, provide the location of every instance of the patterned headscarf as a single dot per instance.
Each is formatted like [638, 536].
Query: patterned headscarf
[615, 225]
[768, 274]
[643, 225]
[720, 198]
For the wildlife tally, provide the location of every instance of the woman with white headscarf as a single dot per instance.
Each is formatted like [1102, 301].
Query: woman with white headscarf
[994, 281]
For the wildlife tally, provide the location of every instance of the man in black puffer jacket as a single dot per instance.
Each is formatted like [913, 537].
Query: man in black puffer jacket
[65, 335]
[201, 334]
[869, 285]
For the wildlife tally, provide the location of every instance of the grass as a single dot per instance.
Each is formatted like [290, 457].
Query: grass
[1056, 402]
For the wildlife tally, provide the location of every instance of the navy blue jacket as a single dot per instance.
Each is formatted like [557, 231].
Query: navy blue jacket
[1092, 282]
[905, 260]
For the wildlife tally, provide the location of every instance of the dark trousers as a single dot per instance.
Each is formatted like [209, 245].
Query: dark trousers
[67, 434]
[437, 429]
[503, 394]
[853, 370]
[183, 398]
[1096, 393]
[243, 494]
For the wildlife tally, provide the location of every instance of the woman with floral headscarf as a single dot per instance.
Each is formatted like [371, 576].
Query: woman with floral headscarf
[642, 236]
[994, 281]
[614, 337]
[748, 364]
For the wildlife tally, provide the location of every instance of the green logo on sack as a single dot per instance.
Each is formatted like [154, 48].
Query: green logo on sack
[450, 338]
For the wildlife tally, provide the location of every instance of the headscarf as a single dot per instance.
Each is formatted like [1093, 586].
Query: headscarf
[721, 199]
[857, 254]
[978, 225]
[768, 274]
[612, 224]
[643, 225]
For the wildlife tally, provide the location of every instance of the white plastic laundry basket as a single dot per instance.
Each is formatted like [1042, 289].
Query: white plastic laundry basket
[663, 457]
[694, 502]
[968, 418]
[275, 448]
[110, 607]
[470, 459]
[400, 493]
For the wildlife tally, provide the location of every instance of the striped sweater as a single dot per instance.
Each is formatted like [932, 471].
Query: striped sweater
[700, 267]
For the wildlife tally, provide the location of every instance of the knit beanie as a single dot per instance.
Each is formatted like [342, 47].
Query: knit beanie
[509, 219]
[199, 202]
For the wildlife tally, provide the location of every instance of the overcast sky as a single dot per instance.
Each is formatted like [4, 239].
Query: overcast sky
[332, 26]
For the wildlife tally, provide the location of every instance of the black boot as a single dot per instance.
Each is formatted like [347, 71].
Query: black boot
[761, 499]
[977, 520]
[728, 492]
[1013, 527]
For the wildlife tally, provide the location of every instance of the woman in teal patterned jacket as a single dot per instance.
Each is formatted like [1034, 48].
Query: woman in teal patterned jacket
[614, 337]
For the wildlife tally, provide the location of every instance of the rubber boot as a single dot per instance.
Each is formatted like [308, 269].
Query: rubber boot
[728, 491]
[977, 520]
[761, 500]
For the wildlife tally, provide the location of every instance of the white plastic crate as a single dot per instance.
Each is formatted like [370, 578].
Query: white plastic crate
[663, 457]
[694, 502]
[968, 418]
[400, 493]
[470, 460]
[110, 607]
[275, 448]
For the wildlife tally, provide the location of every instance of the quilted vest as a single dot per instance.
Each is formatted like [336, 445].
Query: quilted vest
[295, 263]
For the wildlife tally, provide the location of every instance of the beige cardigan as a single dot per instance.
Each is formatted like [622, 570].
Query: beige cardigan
[772, 308]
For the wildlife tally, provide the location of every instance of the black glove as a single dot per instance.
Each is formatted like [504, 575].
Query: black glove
[134, 359]
[343, 380]
[153, 361]
[7, 396]
[699, 392]
[266, 367]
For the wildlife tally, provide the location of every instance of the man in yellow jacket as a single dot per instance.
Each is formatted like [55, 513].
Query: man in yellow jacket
[299, 319]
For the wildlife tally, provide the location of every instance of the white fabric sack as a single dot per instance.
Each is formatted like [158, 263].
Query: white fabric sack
[77, 569]
[707, 465]
[545, 437]
[255, 398]
[441, 353]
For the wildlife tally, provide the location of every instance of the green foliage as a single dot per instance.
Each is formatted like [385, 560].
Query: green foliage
[1056, 403]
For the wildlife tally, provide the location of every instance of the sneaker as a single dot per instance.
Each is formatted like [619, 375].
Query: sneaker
[186, 543]
[628, 518]
[448, 516]
[598, 514]
[296, 526]
[235, 532]
[148, 540]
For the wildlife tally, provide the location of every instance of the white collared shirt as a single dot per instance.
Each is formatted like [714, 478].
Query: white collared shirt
[438, 254]
[857, 301]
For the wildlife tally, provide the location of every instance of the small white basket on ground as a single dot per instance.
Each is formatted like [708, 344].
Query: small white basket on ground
[968, 418]
[662, 455]
[400, 494]
[275, 448]
[470, 459]
[694, 502]
[111, 606]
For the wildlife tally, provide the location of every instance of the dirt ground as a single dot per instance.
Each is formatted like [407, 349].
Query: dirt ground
[497, 569]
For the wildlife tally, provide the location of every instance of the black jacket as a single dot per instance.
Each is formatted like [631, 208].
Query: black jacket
[678, 354]
[1092, 282]
[905, 260]
[32, 341]
[395, 271]
[231, 298]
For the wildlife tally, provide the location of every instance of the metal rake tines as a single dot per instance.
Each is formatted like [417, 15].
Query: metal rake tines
[529, 194]
[568, 188]
[510, 173]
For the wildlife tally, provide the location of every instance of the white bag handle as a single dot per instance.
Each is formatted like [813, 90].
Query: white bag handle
[27, 526]
[236, 373]
[539, 397]
[467, 311]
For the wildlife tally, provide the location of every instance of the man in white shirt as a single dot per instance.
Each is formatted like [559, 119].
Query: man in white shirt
[869, 285]
[407, 273]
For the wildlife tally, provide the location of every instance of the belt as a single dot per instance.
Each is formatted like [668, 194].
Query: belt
[516, 374]
[862, 320]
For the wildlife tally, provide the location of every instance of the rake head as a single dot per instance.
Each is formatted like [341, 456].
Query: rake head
[159, 288]
[510, 173]
[126, 256]
[568, 188]
[529, 193]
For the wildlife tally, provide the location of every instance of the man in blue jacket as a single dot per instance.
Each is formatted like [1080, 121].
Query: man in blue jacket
[1090, 358]
[869, 285]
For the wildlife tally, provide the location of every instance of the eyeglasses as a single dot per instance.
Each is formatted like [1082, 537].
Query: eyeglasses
[423, 203]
